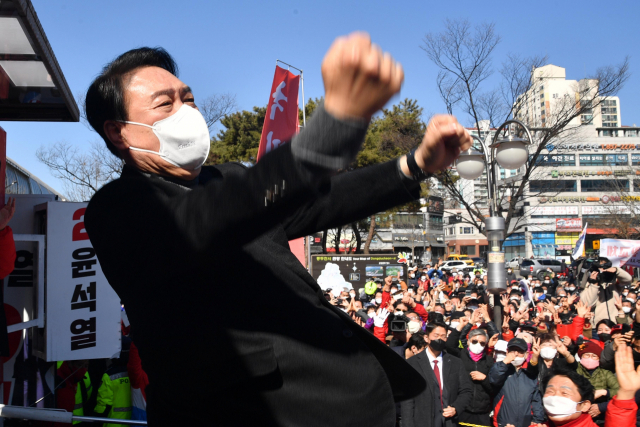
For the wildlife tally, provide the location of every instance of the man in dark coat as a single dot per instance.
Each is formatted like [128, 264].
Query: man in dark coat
[169, 234]
[449, 387]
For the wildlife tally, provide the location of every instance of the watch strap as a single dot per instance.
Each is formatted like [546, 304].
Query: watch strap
[417, 173]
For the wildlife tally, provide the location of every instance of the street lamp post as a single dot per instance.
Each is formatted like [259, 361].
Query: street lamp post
[510, 152]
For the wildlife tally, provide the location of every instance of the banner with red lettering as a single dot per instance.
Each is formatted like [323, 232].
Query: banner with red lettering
[621, 253]
[281, 120]
[83, 310]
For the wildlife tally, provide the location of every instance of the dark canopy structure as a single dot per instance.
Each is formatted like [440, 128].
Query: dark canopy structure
[32, 86]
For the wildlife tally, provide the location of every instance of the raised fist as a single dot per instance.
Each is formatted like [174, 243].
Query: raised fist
[359, 79]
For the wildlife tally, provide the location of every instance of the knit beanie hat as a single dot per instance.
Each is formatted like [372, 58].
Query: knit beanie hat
[589, 347]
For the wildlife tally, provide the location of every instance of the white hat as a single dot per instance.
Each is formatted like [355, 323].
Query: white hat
[501, 345]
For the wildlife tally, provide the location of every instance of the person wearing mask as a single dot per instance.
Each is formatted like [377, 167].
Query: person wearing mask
[416, 344]
[449, 388]
[517, 398]
[568, 397]
[477, 363]
[548, 353]
[603, 287]
[603, 329]
[603, 381]
[511, 276]
[423, 281]
[412, 282]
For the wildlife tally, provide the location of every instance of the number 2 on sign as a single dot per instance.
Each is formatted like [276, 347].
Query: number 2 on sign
[79, 233]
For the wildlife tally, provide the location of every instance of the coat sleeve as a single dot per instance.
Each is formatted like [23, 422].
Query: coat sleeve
[576, 328]
[607, 358]
[137, 376]
[621, 413]
[590, 295]
[612, 383]
[104, 401]
[623, 277]
[536, 407]
[420, 311]
[453, 343]
[498, 375]
[7, 252]
[464, 392]
[407, 412]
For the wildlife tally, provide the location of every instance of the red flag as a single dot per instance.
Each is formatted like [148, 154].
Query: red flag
[281, 121]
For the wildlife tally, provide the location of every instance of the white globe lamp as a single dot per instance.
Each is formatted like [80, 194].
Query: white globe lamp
[470, 164]
[511, 152]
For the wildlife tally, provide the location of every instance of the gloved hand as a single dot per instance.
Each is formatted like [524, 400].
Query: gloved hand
[380, 318]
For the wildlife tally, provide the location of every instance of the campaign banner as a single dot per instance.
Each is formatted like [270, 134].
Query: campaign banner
[83, 311]
[568, 224]
[281, 120]
[353, 271]
[622, 253]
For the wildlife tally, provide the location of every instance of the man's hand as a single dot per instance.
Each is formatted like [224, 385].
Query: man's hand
[505, 324]
[442, 143]
[510, 358]
[477, 376]
[599, 393]
[6, 213]
[358, 78]
[493, 341]
[594, 411]
[449, 412]
[463, 321]
[582, 309]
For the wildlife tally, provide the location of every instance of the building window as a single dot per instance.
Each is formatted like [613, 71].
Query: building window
[468, 250]
[593, 185]
[551, 186]
[636, 185]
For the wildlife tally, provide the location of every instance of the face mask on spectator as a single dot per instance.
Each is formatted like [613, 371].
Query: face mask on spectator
[548, 352]
[371, 313]
[509, 271]
[627, 310]
[500, 356]
[437, 345]
[571, 288]
[412, 275]
[604, 337]
[518, 361]
[546, 282]
[545, 291]
[353, 294]
[589, 363]
[559, 406]
[423, 278]
[454, 325]
[476, 348]
[378, 300]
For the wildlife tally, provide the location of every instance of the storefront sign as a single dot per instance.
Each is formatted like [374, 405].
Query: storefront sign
[567, 173]
[582, 199]
[597, 147]
[83, 310]
[436, 205]
[568, 224]
[608, 210]
[621, 252]
[554, 210]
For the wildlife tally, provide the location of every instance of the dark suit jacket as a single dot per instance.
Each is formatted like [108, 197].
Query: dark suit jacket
[220, 350]
[421, 411]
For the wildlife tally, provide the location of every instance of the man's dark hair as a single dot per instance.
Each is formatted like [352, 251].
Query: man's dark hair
[431, 326]
[584, 386]
[608, 323]
[105, 97]
[417, 340]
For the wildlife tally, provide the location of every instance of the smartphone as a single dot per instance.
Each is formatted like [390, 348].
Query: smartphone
[467, 293]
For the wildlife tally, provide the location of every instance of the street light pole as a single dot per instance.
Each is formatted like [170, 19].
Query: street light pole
[509, 152]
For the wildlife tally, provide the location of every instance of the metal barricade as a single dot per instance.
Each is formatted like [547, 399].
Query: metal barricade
[57, 415]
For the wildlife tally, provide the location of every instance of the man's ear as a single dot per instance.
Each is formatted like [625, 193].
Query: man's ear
[584, 406]
[113, 131]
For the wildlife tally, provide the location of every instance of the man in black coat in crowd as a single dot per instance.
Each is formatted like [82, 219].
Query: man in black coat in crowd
[449, 387]
[169, 234]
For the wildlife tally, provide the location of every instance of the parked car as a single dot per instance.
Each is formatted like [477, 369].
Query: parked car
[478, 262]
[458, 257]
[514, 264]
[459, 265]
[538, 267]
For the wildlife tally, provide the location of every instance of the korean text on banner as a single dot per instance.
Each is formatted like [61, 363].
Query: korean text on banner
[621, 253]
[83, 310]
[281, 120]
[579, 249]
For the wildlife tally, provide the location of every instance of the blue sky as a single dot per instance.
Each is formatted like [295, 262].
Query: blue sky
[232, 46]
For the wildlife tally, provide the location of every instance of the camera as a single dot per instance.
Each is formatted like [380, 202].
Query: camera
[399, 323]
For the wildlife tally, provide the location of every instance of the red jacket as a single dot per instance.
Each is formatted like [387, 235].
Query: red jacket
[573, 331]
[7, 252]
[619, 413]
[381, 333]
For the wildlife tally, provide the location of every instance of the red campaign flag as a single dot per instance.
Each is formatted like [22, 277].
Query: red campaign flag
[281, 120]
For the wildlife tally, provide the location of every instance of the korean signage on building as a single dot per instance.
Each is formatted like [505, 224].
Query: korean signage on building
[568, 224]
[597, 147]
[554, 210]
[586, 199]
[353, 271]
[83, 311]
[558, 174]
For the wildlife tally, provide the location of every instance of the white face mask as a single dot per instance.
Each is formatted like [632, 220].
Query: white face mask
[454, 325]
[626, 309]
[571, 288]
[398, 313]
[378, 300]
[423, 278]
[412, 275]
[518, 361]
[500, 357]
[546, 282]
[548, 353]
[184, 138]
[558, 406]
[476, 348]
[545, 291]
[353, 294]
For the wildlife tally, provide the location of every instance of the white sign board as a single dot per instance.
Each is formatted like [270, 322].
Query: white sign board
[621, 252]
[83, 311]
[554, 210]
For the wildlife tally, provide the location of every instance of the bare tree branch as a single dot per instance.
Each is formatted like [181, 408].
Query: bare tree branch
[217, 106]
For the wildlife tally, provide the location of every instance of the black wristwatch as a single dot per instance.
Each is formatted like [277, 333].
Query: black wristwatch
[417, 173]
